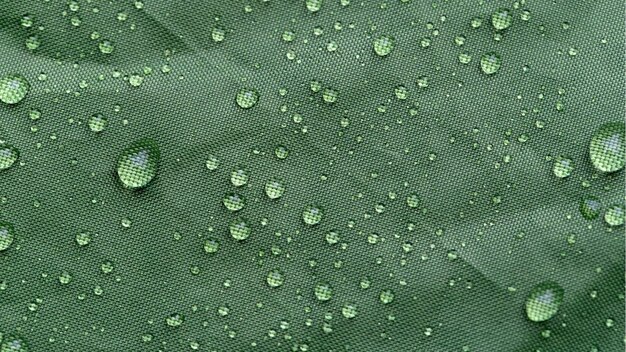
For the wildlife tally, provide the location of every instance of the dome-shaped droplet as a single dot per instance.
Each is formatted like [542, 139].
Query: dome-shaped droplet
[211, 245]
[239, 177]
[501, 19]
[83, 239]
[544, 301]
[323, 291]
[274, 189]
[590, 207]
[490, 63]
[106, 47]
[247, 98]
[562, 167]
[607, 147]
[13, 344]
[212, 162]
[8, 156]
[239, 229]
[384, 45]
[386, 296]
[281, 152]
[614, 215]
[234, 202]
[7, 235]
[413, 200]
[312, 215]
[137, 164]
[13, 88]
[97, 122]
[314, 5]
[275, 278]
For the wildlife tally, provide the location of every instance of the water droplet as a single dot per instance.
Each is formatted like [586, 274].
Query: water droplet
[386, 296]
[239, 229]
[281, 152]
[614, 215]
[590, 207]
[383, 45]
[13, 88]
[349, 310]
[234, 202]
[274, 189]
[607, 147]
[247, 98]
[65, 278]
[212, 162]
[330, 95]
[289, 36]
[323, 291]
[27, 21]
[490, 63]
[313, 5]
[135, 80]
[32, 42]
[126, 222]
[275, 278]
[8, 156]
[107, 267]
[543, 301]
[459, 40]
[465, 57]
[97, 122]
[401, 92]
[7, 235]
[332, 237]
[501, 19]
[312, 215]
[106, 47]
[83, 238]
[175, 320]
[239, 177]
[476, 22]
[563, 167]
[211, 245]
[13, 344]
[137, 164]
[218, 34]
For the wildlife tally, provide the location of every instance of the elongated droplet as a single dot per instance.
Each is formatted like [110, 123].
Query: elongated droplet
[7, 234]
[590, 207]
[607, 149]
[544, 301]
[8, 156]
[137, 165]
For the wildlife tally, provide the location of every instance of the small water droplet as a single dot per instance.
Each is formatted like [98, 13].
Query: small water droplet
[323, 291]
[65, 278]
[83, 238]
[274, 189]
[106, 47]
[330, 95]
[590, 207]
[175, 320]
[97, 122]
[563, 167]
[349, 310]
[275, 278]
[607, 148]
[281, 152]
[13, 88]
[386, 296]
[314, 5]
[501, 19]
[212, 162]
[211, 245]
[543, 301]
[234, 202]
[138, 163]
[239, 177]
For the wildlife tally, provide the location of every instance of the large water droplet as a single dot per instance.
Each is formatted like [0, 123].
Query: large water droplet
[274, 189]
[614, 215]
[275, 278]
[8, 156]
[13, 88]
[607, 147]
[312, 215]
[247, 98]
[7, 235]
[562, 167]
[13, 344]
[590, 207]
[490, 63]
[543, 301]
[137, 165]
[383, 45]
[501, 19]
[234, 202]
[239, 229]
[323, 291]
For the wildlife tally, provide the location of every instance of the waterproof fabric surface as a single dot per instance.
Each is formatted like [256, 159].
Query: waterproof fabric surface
[410, 147]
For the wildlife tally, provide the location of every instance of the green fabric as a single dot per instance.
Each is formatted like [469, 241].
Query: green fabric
[473, 152]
